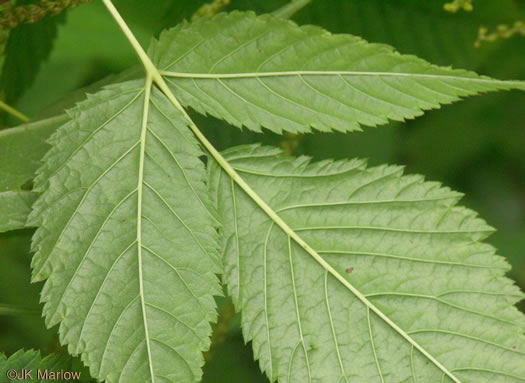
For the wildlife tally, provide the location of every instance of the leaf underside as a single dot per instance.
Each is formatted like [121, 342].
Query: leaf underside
[132, 291]
[263, 71]
[402, 242]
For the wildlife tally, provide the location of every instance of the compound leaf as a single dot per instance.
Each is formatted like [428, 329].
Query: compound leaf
[263, 71]
[401, 287]
[127, 239]
[349, 273]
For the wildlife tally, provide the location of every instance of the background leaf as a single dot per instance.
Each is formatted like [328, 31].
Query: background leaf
[14, 209]
[27, 47]
[21, 150]
[27, 331]
[32, 361]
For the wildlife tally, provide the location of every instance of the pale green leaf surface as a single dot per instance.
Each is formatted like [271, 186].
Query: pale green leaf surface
[262, 71]
[126, 238]
[400, 241]
[15, 206]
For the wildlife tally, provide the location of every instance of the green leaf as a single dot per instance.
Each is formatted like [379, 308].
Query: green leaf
[126, 238]
[27, 47]
[21, 150]
[53, 367]
[16, 290]
[262, 71]
[364, 275]
[15, 206]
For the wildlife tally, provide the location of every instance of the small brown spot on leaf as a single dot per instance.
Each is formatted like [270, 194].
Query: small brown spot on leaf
[349, 270]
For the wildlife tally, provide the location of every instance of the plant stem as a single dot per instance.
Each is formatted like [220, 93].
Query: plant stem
[210, 9]
[143, 57]
[10, 310]
[61, 118]
[290, 9]
[12, 111]
[150, 69]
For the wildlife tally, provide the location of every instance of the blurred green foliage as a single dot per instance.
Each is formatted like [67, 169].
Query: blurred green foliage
[476, 147]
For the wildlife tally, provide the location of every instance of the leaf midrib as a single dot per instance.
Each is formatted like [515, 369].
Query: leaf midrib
[517, 83]
[140, 185]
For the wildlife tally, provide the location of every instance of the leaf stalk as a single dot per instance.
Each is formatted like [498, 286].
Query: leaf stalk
[10, 310]
[290, 9]
[12, 111]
